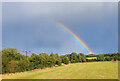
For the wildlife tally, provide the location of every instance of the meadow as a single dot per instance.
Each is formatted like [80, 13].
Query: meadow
[91, 58]
[88, 70]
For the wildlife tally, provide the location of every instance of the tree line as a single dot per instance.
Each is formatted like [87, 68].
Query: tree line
[13, 61]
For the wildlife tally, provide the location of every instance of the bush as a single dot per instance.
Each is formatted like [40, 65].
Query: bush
[13, 67]
[72, 61]
[58, 63]
[22, 65]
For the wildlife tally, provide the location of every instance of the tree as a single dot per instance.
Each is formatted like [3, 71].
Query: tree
[22, 64]
[13, 61]
[108, 58]
[50, 62]
[45, 58]
[118, 55]
[73, 61]
[35, 59]
[58, 62]
[83, 58]
[100, 58]
[54, 57]
[79, 58]
[44, 55]
[10, 53]
[66, 60]
[33, 54]
[5, 62]
[73, 57]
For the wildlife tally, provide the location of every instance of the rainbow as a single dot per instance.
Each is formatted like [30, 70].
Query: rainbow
[74, 36]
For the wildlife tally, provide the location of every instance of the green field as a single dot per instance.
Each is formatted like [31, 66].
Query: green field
[91, 70]
[91, 58]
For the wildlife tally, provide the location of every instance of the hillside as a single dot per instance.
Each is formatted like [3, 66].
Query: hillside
[90, 70]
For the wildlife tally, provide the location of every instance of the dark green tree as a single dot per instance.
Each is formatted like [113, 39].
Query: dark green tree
[100, 58]
[66, 60]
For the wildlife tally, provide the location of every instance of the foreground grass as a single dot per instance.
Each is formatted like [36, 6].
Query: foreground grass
[91, 70]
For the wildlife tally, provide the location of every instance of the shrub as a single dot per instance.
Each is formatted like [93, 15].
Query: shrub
[58, 63]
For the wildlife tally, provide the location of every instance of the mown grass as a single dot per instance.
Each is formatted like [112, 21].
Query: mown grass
[91, 70]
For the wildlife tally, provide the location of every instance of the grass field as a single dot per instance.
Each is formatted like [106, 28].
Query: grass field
[91, 70]
[91, 58]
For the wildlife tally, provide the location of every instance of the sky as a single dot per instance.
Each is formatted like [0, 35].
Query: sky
[29, 26]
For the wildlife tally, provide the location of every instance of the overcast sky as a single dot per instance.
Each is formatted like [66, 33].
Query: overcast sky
[28, 26]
